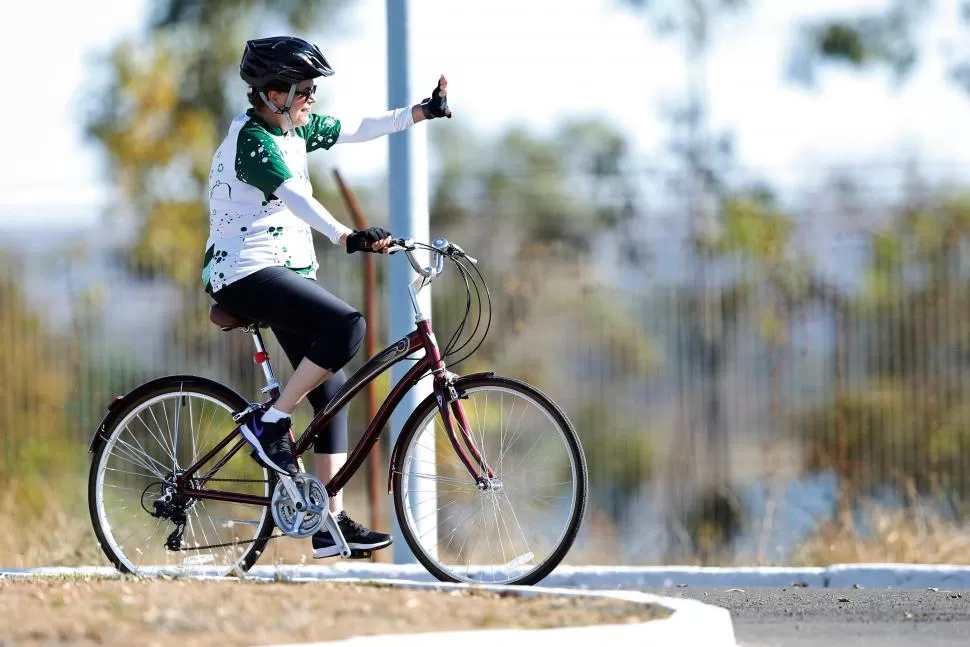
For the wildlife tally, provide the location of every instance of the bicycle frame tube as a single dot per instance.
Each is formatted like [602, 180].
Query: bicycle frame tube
[422, 337]
[219, 495]
[394, 353]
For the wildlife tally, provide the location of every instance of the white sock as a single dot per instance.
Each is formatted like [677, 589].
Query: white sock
[273, 414]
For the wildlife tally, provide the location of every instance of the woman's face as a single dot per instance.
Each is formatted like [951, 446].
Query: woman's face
[303, 101]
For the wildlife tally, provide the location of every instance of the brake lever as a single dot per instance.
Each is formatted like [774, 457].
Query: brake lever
[474, 261]
[400, 245]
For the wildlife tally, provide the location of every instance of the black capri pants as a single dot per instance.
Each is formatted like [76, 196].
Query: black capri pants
[308, 322]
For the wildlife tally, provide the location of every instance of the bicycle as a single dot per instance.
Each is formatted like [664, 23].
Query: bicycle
[173, 445]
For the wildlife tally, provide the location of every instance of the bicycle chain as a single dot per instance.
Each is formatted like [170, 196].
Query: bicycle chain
[236, 543]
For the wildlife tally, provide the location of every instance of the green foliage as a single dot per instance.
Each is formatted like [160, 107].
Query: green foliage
[620, 455]
[894, 436]
[565, 188]
[530, 207]
[886, 37]
[754, 227]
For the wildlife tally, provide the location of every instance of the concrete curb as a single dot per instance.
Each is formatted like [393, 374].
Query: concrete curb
[620, 577]
[691, 623]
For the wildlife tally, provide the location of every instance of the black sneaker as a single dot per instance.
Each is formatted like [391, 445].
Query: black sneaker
[358, 537]
[271, 443]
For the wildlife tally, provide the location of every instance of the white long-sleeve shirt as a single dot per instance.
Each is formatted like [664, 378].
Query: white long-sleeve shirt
[261, 204]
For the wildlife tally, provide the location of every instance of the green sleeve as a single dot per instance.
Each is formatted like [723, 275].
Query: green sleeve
[321, 132]
[259, 161]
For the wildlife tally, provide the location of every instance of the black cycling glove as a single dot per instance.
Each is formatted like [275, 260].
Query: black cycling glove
[436, 105]
[361, 241]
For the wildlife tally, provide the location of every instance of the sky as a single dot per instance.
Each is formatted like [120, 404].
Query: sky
[510, 62]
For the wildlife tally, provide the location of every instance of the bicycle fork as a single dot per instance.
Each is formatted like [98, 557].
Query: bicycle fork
[453, 415]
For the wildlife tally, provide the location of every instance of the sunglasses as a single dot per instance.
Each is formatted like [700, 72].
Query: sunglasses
[306, 93]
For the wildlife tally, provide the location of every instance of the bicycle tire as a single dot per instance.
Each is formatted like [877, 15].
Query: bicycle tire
[428, 409]
[133, 402]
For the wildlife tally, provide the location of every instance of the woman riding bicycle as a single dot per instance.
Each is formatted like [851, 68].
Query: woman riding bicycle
[260, 262]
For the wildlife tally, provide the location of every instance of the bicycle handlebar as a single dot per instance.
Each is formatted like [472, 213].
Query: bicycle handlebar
[442, 247]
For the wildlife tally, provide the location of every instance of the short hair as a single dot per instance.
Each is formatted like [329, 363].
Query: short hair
[272, 86]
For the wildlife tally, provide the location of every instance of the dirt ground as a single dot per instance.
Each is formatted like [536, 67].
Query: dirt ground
[93, 611]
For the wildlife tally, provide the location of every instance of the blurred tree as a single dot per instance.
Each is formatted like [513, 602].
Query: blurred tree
[703, 156]
[900, 428]
[888, 37]
[903, 427]
[34, 391]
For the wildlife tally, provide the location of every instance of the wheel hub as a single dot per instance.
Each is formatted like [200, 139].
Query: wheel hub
[485, 484]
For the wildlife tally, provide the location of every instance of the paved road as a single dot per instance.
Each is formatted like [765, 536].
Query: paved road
[799, 617]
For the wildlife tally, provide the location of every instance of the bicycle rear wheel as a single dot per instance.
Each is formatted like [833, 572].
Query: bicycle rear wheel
[514, 528]
[164, 426]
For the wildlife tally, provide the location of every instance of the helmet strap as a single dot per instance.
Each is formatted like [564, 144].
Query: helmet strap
[285, 110]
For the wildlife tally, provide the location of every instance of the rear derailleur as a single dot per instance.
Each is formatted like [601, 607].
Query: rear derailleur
[171, 505]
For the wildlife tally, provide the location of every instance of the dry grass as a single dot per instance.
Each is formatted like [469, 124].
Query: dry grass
[916, 536]
[78, 611]
[48, 532]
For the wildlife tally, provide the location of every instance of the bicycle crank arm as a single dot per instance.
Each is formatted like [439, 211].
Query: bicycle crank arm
[294, 492]
[338, 537]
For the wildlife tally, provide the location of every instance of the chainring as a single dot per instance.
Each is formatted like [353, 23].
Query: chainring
[300, 523]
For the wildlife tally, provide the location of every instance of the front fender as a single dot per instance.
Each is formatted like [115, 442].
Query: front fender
[412, 420]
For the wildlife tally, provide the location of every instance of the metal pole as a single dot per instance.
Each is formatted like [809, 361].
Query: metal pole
[408, 188]
[370, 347]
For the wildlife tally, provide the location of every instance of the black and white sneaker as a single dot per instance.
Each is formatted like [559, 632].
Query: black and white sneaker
[271, 443]
[358, 537]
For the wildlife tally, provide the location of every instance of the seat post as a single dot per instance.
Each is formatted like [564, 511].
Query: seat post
[262, 358]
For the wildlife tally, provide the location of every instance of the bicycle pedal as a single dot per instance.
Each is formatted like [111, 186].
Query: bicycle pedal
[360, 554]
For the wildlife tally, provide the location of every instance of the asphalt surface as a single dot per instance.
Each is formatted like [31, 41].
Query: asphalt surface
[800, 617]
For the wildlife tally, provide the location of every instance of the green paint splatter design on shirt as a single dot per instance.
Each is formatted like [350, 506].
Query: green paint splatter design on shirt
[249, 226]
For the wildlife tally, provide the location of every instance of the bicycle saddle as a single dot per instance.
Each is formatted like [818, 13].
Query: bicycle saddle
[227, 320]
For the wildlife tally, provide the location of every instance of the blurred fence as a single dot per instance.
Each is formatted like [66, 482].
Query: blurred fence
[724, 413]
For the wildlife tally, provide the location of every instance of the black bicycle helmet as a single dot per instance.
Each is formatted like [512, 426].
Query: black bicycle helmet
[281, 58]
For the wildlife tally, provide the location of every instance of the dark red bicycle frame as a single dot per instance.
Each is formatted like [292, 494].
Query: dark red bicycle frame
[191, 485]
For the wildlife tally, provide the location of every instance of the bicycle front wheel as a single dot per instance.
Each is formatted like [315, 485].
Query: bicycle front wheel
[164, 427]
[511, 527]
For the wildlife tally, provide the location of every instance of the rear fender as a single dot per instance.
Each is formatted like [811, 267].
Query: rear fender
[118, 404]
